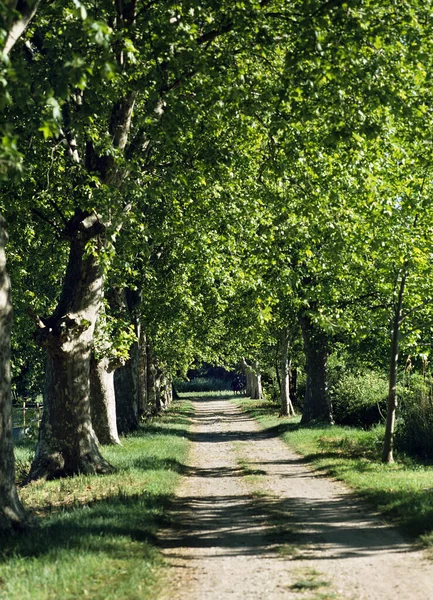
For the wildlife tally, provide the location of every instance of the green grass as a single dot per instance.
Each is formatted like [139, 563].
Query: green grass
[402, 492]
[310, 580]
[223, 394]
[95, 536]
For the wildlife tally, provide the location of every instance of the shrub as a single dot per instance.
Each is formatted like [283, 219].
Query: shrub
[203, 384]
[359, 399]
[414, 432]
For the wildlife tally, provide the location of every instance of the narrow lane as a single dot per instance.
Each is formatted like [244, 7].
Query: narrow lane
[251, 521]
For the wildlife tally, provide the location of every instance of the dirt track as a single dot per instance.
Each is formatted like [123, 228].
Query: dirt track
[256, 523]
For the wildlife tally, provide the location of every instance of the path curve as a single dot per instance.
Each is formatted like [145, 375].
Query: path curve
[253, 522]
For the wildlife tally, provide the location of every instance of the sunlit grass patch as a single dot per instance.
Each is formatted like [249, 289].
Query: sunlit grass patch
[310, 580]
[96, 536]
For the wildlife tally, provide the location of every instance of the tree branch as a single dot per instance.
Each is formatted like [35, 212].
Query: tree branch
[27, 10]
[52, 224]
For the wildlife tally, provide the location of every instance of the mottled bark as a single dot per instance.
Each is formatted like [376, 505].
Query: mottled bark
[12, 514]
[317, 404]
[257, 378]
[164, 391]
[67, 442]
[254, 380]
[249, 384]
[287, 409]
[103, 400]
[388, 445]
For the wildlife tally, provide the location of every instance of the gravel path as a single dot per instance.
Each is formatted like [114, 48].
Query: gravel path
[251, 521]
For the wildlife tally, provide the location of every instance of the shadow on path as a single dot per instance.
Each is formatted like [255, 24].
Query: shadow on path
[239, 523]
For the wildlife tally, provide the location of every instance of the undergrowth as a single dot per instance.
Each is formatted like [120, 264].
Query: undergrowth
[203, 384]
[96, 535]
[402, 492]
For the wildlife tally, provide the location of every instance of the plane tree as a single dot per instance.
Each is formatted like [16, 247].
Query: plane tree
[122, 70]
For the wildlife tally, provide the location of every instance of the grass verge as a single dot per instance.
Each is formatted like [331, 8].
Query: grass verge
[95, 536]
[402, 492]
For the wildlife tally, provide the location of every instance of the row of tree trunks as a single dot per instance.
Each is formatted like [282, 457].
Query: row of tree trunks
[137, 387]
[12, 515]
[159, 387]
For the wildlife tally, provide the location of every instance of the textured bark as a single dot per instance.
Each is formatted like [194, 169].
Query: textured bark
[257, 378]
[248, 375]
[67, 442]
[287, 409]
[249, 385]
[12, 514]
[317, 404]
[388, 444]
[164, 391]
[103, 400]
[254, 380]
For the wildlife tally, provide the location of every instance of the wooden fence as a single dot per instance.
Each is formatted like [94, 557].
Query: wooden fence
[30, 412]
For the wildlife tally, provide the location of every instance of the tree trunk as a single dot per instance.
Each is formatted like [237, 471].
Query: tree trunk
[142, 372]
[317, 404]
[125, 385]
[165, 391]
[293, 383]
[287, 409]
[248, 375]
[257, 376]
[152, 381]
[388, 444]
[277, 369]
[249, 385]
[254, 380]
[67, 443]
[103, 400]
[12, 514]
[159, 393]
